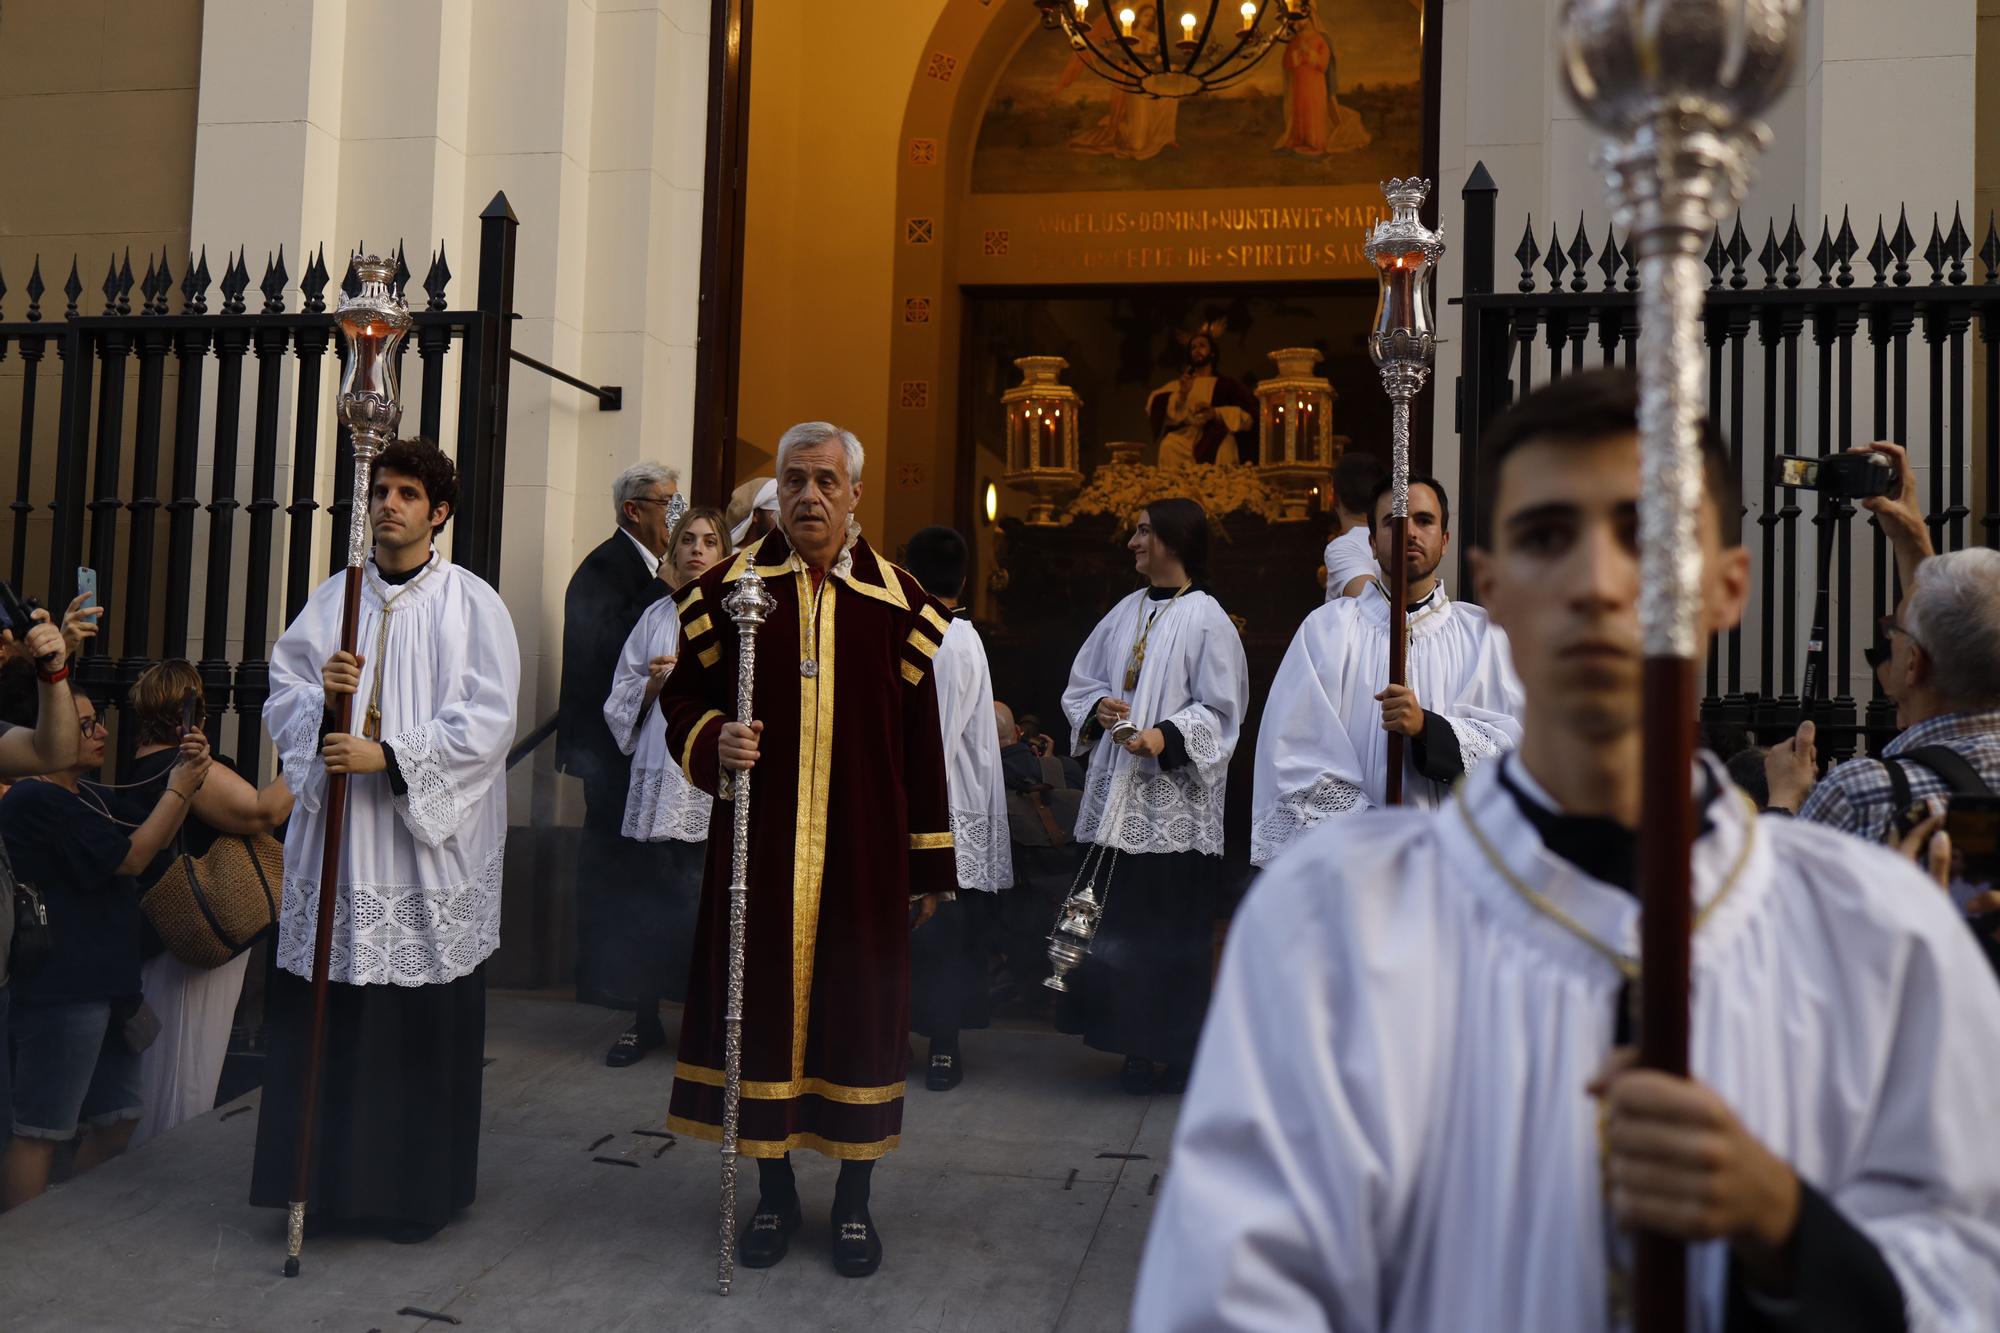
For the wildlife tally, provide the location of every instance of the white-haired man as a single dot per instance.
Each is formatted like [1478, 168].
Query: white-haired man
[850, 835]
[1944, 673]
[606, 596]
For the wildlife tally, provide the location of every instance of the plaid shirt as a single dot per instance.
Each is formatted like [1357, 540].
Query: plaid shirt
[1855, 796]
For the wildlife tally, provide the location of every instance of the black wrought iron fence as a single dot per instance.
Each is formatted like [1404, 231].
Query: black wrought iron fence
[1786, 334]
[91, 482]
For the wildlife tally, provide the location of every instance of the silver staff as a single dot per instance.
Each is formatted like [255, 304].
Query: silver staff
[373, 321]
[1676, 86]
[1403, 344]
[747, 605]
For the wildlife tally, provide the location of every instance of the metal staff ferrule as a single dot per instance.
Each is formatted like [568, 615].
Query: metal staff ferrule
[749, 604]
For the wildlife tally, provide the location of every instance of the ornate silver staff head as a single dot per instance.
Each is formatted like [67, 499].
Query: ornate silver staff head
[374, 321]
[1676, 86]
[677, 506]
[749, 602]
[1403, 341]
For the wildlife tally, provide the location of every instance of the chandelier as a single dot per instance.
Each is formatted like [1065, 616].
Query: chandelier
[1143, 46]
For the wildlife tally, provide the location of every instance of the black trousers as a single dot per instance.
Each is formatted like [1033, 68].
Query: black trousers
[397, 1134]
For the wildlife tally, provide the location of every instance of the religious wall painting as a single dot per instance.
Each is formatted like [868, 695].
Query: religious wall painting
[1341, 104]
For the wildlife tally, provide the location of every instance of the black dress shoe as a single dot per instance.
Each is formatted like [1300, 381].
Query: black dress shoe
[632, 1045]
[769, 1235]
[944, 1073]
[857, 1246]
[1137, 1076]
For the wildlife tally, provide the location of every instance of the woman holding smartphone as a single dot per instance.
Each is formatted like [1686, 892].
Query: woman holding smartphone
[196, 1007]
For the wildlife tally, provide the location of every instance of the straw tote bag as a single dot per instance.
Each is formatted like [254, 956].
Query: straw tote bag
[208, 909]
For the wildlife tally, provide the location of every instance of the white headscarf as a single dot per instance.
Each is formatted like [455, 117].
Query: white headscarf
[767, 498]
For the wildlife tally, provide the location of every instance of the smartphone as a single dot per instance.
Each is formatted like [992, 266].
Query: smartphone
[1974, 825]
[86, 585]
[190, 705]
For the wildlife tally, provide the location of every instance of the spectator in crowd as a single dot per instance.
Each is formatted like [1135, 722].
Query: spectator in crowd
[1746, 770]
[1042, 745]
[1350, 556]
[1044, 794]
[78, 1024]
[1944, 671]
[33, 739]
[752, 512]
[196, 1007]
[606, 596]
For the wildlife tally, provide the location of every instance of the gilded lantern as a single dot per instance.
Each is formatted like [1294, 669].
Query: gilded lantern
[1044, 420]
[1296, 445]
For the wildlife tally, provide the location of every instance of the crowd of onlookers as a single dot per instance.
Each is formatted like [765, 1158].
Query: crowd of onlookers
[109, 1038]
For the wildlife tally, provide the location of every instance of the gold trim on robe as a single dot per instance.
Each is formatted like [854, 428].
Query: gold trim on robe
[929, 842]
[769, 1148]
[815, 771]
[764, 1090]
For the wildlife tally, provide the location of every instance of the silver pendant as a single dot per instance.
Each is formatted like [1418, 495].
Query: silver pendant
[808, 668]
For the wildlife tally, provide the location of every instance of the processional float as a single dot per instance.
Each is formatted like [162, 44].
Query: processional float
[1403, 345]
[1676, 86]
[373, 321]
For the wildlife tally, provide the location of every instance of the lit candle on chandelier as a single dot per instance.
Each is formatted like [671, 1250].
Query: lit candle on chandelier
[1081, 6]
[1187, 29]
[1126, 17]
[1249, 15]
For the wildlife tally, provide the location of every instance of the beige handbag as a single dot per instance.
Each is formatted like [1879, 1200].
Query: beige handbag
[207, 910]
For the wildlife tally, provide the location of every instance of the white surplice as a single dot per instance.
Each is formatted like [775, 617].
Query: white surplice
[1321, 749]
[420, 873]
[1387, 1129]
[661, 804]
[972, 760]
[1195, 677]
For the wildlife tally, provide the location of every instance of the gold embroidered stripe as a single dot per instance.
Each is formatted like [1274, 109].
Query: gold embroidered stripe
[816, 695]
[687, 746]
[912, 672]
[801, 1087]
[930, 613]
[853, 1152]
[697, 627]
[928, 842]
[710, 655]
[928, 647]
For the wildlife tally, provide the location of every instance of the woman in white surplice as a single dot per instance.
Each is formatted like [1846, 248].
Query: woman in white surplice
[1168, 661]
[649, 958]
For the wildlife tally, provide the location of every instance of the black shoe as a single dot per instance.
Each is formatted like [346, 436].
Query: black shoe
[769, 1235]
[632, 1045]
[1137, 1076]
[857, 1246]
[944, 1073]
[1172, 1079]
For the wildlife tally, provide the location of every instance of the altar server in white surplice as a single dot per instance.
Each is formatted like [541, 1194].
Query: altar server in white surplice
[1323, 746]
[1414, 1108]
[664, 837]
[434, 685]
[1169, 661]
[949, 951]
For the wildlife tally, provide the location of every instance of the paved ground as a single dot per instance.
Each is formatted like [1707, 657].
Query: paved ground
[1018, 1202]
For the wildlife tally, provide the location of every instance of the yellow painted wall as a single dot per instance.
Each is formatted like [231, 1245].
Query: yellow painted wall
[827, 94]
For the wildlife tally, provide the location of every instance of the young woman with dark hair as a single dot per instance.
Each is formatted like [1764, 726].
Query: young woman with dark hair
[196, 1007]
[1155, 700]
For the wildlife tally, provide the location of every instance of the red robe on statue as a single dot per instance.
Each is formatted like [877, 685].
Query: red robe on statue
[848, 819]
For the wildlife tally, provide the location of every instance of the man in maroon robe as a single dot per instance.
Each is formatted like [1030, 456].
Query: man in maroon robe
[849, 837]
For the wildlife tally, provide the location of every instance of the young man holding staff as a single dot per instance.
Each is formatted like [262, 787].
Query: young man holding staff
[1414, 1106]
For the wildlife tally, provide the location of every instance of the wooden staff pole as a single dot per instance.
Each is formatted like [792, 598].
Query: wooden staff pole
[373, 321]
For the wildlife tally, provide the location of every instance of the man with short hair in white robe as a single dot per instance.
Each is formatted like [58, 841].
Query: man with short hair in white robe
[1414, 1108]
[948, 951]
[1350, 556]
[1156, 700]
[434, 685]
[1323, 745]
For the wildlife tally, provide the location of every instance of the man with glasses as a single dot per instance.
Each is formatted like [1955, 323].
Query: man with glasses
[1938, 658]
[608, 593]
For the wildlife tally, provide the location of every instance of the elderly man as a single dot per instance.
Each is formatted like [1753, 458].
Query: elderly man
[609, 591]
[850, 837]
